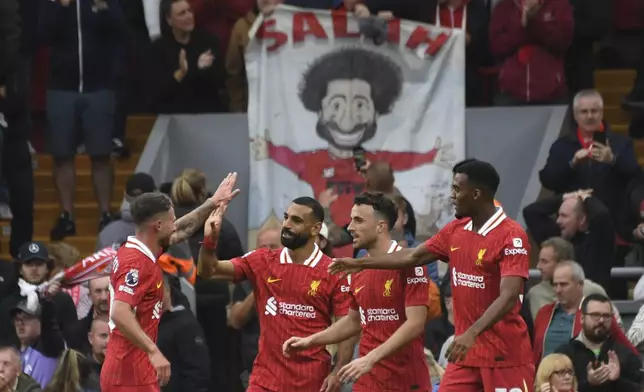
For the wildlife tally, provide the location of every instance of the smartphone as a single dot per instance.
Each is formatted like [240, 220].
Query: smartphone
[359, 157]
[599, 137]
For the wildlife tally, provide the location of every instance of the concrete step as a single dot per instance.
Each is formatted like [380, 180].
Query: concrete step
[86, 226]
[615, 115]
[613, 78]
[81, 195]
[44, 180]
[49, 212]
[613, 95]
[46, 162]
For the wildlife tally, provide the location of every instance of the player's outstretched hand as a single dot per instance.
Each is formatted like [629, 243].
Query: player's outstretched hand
[355, 369]
[460, 346]
[213, 224]
[345, 266]
[226, 190]
[161, 365]
[294, 344]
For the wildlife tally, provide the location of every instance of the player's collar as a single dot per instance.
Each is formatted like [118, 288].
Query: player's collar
[133, 243]
[312, 261]
[394, 247]
[496, 219]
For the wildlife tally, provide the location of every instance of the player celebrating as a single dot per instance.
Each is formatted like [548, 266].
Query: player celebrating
[133, 363]
[390, 305]
[295, 296]
[488, 256]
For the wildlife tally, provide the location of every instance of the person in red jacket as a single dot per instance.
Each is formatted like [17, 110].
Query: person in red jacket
[560, 321]
[531, 38]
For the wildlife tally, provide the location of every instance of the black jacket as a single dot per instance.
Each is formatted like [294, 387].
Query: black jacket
[593, 19]
[594, 250]
[200, 91]
[630, 376]
[64, 311]
[608, 181]
[9, 37]
[103, 34]
[182, 342]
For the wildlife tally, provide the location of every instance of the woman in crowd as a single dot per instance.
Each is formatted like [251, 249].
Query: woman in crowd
[555, 374]
[74, 374]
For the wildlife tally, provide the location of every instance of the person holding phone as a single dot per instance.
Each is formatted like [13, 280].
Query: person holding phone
[555, 374]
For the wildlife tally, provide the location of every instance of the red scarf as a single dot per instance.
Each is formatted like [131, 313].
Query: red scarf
[74, 292]
[587, 144]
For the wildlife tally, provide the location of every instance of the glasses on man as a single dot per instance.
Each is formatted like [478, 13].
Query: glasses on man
[599, 316]
[564, 372]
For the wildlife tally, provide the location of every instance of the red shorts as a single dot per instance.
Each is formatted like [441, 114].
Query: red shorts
[470, 379]
[131, 388]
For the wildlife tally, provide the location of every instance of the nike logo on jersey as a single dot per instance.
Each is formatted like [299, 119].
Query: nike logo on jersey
[358, 289]
[453, 248]
[272, 280]
[159, 285]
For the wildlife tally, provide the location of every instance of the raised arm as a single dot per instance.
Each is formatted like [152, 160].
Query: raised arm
[188, 224]
[210, 267]
[397, 260]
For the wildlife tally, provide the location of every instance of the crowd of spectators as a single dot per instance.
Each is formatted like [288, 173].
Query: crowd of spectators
[108, 58]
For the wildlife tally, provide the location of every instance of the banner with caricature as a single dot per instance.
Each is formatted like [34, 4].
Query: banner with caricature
[319, 93]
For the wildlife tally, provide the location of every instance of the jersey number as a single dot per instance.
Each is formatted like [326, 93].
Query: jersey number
[508, 390]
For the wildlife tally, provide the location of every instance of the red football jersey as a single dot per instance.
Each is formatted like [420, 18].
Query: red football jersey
[478, 261]
[292, 300]
[137, 280]
[381, 296]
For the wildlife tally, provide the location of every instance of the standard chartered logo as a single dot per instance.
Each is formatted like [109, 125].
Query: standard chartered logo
[273, 307]
[378, 314]
[467, 280]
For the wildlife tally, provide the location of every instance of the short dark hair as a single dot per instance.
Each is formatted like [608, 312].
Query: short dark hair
[480, 173]
[461, 163]
[381, 204]
[314, 205]
[383, 75]
[148, 205]
[601, 298]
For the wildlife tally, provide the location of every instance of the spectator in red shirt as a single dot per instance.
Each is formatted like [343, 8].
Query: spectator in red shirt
[530, 38]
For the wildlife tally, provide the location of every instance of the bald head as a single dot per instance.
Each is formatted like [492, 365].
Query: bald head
[269, 238]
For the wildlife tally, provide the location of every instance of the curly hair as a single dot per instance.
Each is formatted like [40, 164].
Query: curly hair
[383, 75]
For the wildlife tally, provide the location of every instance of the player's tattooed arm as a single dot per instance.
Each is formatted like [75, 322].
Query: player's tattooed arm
[510, 291]
[338, 236]
[188, 224]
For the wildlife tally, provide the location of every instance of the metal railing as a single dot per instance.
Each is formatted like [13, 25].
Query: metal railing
[616, 272]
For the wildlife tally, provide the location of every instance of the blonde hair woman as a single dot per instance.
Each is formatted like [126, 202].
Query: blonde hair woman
[555, 374]
[189, 189]
[74, 374]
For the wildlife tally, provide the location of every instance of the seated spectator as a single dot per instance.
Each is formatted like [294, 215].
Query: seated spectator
[182, 342]
[12, 379]
[98, 336]
[236, 82]
[99, 297]
[186, 68]
[600, 361]
[583, 220]
[530, 40]
[556, 323]
[553, 251]
[80, 92]
[34, 265]
[555, 374]
[63, 256]
[40, 340]
[73, 374]
[242, 313]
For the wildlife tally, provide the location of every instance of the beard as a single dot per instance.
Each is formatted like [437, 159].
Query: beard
[294, 241]
[597, 334]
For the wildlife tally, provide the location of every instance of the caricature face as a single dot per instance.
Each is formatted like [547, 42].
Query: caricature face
[348, 111]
